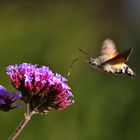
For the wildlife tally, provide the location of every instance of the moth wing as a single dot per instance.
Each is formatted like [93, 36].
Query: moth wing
[120, 58]
[109, 49]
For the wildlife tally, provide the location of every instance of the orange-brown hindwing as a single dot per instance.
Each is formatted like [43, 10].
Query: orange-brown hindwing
[120, 58]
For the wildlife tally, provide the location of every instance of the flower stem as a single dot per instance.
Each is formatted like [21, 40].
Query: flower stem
[21, 125]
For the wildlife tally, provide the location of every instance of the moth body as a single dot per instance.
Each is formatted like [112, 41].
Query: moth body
[110, 61]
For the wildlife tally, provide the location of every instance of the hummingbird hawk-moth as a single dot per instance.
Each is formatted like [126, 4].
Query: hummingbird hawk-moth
[110, 60]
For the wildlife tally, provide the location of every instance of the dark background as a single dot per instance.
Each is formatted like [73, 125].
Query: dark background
[107, 107]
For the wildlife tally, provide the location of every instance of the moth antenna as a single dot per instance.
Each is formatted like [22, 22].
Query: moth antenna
[84, 52]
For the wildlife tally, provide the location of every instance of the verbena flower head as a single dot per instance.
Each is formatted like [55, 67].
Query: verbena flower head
[40, 87]
[8, 101]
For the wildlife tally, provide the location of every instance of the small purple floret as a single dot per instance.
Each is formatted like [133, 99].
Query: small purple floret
[8, 101]
[40, 87]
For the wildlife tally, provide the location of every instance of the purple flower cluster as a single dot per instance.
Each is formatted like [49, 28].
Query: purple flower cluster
[8, 101]
[40, 87]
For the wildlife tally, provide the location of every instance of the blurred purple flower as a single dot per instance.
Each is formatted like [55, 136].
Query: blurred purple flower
[8, 101]
[40, 87]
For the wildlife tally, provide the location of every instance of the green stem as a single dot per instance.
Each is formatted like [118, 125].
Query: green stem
[21, 125]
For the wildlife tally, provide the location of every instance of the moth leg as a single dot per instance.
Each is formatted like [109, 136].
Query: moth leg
[110, 69]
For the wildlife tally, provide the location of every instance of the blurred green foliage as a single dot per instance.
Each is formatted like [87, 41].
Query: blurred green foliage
[107, 107]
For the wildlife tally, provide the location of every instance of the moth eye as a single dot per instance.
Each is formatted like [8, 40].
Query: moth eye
[91, 61]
